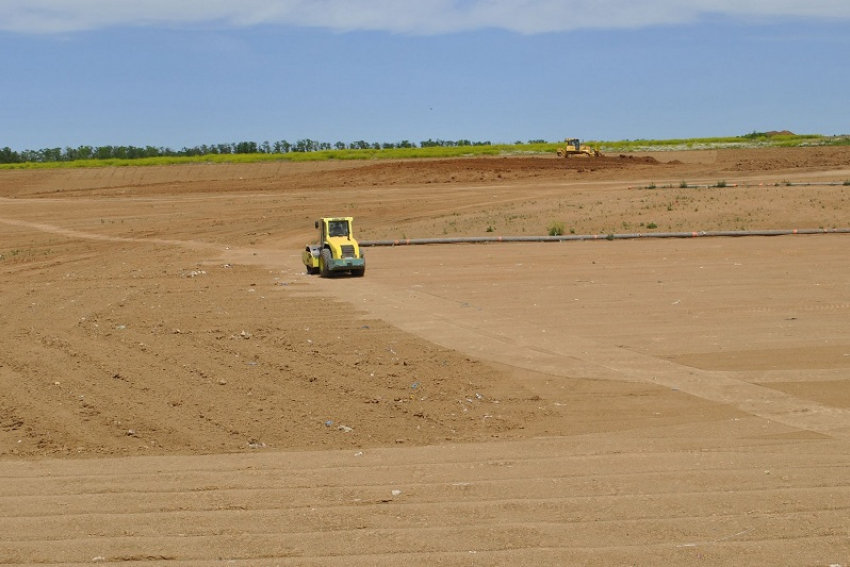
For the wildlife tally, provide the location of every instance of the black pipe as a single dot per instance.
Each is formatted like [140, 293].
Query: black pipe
[573, 237]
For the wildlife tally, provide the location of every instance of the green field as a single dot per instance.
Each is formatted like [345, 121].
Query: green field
[754, 140]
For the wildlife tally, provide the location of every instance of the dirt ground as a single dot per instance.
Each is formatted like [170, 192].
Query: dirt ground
[174, 389]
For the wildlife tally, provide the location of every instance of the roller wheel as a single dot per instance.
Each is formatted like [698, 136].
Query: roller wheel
[326, 261]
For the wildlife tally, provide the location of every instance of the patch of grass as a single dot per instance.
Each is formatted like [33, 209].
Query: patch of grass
[652, 225]
[556, 228]
[753, 140]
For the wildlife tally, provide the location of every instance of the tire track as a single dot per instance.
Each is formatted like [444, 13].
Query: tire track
[524, 341]
[548, 501]
[70, 233]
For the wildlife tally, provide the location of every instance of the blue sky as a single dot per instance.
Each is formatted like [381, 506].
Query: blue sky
[191, 72]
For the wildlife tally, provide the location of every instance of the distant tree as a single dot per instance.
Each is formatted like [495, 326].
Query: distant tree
[7, 155]
[305, 145]
[282, 147]
[85, 152]
[246, 148]
[50, 154]
[103, 152]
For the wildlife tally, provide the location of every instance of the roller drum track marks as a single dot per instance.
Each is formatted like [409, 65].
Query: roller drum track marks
[543, 502]
[455, 309]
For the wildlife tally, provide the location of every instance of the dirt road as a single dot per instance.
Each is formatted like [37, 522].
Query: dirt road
[175, 390]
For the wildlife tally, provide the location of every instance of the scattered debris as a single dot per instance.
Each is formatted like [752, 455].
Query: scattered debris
[194, 274]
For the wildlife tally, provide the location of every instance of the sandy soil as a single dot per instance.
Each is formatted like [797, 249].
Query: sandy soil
[174, 389]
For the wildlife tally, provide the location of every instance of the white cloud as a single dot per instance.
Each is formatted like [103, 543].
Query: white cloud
[425, 17]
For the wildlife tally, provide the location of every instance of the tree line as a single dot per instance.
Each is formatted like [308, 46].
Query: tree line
[8, 155]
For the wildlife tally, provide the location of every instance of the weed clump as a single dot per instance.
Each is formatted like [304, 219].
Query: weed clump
[556, 228]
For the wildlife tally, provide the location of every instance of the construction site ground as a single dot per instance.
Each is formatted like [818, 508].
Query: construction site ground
[175, 390]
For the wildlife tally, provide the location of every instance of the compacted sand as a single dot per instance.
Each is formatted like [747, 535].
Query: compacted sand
[175, 390]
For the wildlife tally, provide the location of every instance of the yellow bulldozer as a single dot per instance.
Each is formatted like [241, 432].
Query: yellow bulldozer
[573, 147]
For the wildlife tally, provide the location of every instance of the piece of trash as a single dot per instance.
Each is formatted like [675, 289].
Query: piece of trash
[396, 492]
[328, 423]
[345, 429]
[414, 385]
